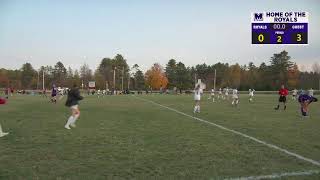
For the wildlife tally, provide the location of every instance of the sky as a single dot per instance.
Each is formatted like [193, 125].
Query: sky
[144, 32]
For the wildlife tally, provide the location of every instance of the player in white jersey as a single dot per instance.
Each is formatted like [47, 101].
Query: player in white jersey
[310, 92]
[60, 93]
[197, 98]
[212, 95]
[98, 93]
[294, 94]
[220, 93]
[251, 94]
[235, 97]
[226, 93]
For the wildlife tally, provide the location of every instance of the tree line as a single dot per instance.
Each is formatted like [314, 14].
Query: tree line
[115, 73]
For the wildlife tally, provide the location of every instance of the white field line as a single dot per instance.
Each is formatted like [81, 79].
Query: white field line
[279, 175]
[314, 162]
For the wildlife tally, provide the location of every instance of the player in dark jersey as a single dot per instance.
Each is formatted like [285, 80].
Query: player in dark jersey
[305, 100]
[73, 102]
[283, 92]
[54, 94]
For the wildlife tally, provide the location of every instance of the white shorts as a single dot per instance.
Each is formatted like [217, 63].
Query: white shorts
[197, 97]
[74, 107]
[235, 97]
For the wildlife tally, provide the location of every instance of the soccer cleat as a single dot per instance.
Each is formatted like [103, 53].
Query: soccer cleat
[67, 127]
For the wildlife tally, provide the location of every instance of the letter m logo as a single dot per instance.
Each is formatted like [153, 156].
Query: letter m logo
[258, 17]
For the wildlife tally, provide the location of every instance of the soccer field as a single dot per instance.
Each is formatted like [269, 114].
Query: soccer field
[158, 137]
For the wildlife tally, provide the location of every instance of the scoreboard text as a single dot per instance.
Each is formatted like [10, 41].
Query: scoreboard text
[279, 28]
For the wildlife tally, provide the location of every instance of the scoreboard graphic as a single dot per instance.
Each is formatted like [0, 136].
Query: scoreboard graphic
[279, 27]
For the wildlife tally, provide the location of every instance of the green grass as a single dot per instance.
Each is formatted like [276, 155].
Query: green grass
[122, 137]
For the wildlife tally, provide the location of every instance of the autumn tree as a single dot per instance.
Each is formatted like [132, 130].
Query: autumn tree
[155, 77]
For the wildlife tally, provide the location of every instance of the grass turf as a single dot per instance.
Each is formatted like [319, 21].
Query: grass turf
[122, 137]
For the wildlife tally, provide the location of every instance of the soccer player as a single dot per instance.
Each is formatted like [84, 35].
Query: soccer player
[220, 93]
[197, 97]
[294, 94]
[226, 93]
[283, 92]
[61, 92]
[310, 92]
[73, 102]
[235, 97]
[54, 94]
[305, 100]
[212, 95]
[251, 91]
[11, 91]
[2, 101]
[99, 93]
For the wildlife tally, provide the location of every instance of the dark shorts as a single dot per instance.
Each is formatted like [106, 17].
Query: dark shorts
[282, 99]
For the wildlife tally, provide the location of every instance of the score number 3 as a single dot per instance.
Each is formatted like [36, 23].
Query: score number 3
[299, 37]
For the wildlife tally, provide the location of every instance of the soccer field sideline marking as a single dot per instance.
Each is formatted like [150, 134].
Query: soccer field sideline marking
[277, 175]
[314, 162]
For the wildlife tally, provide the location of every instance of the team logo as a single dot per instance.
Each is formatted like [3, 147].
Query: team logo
[258, 17]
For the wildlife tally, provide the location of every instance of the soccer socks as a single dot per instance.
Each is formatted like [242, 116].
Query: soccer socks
[67, 126]
[303, 113]
[235, 102]
[277, 107]
[74, 120]
[196, 109]
[285, 107]
[71, 121]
